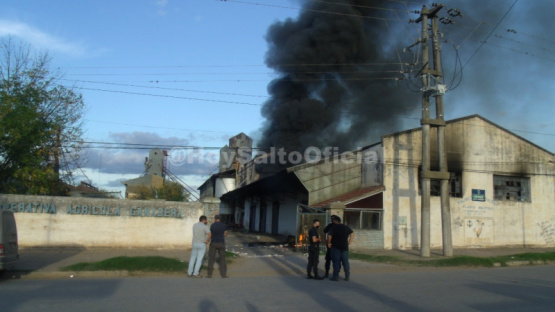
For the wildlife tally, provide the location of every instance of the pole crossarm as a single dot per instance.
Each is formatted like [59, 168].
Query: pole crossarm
[435, 175]
[433, 122]
[429, 13]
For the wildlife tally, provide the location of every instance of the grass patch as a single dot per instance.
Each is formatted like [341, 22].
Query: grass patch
[374, 258]
[139, 264]
[143, 264]
[231, 255]
[458, 261]
[547, 256]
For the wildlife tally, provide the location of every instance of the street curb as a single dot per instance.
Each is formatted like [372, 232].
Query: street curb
[9, 275]
[523, 263]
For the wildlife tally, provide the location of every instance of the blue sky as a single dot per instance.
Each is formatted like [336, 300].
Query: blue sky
[192, 73]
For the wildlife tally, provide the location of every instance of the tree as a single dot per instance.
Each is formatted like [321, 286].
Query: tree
[170, 191]
[173, 191]
[40, 124]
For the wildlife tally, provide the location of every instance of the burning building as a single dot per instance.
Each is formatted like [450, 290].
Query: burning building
[502, 190]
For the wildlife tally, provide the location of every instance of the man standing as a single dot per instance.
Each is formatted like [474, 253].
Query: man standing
[313, 251]
[339, 239]
[328, 254]
[201, 237]
[218, 232]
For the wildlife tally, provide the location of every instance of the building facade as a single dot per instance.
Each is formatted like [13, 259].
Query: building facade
[502, 190]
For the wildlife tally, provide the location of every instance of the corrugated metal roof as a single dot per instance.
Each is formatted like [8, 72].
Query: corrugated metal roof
[353, 196]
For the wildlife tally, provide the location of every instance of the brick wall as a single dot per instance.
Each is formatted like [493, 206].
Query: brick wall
[368, 239]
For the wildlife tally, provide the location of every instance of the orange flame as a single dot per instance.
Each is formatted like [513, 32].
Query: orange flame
[300, 241]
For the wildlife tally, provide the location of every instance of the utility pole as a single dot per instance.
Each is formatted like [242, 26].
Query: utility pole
[432, 86]
[443, 170]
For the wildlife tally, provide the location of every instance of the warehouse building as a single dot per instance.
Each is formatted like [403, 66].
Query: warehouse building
[502, 191]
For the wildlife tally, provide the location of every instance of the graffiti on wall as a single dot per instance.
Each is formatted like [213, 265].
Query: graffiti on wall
[478, 231]
[458, 222]
[477, 211]
[547, 231]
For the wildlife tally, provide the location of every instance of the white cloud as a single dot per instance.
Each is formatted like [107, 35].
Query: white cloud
[131, 161]
[112, 181]
[40, 39]
[162, 4]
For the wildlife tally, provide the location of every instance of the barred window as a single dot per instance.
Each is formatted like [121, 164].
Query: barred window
[363, 219]
[511, 188]
[455, 185]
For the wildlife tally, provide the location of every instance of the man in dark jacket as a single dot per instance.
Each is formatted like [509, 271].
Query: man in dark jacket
[313, 251]
[328, 254]
[339, 239]
[218, 232]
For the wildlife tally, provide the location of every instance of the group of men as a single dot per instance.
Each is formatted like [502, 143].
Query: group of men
[214, 237]
[339, 237]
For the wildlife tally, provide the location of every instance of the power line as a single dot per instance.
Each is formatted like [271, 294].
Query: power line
[155, 127]
[235, 66]
[356, 5]
[173, 97]
[519, 33]
[150, 146]
[492, 31]
[164, 88]
[298, 72]
[306, 9]
[523, 43]
[218, 101]
[504, 38]
[516, 50]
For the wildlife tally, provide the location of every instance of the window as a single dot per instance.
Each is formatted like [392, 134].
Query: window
[455, 185]
[363, 219]
[511, 188]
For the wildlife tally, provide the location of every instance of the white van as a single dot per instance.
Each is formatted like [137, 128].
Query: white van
[8, 240]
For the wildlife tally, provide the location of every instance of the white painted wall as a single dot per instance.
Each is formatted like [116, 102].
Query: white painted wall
[483, 150]
[63, 229]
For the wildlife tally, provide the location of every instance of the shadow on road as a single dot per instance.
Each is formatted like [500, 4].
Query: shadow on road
[331, 296]
[36, 258]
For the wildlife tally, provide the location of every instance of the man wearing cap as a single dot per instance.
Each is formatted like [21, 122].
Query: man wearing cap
[339, 239]
[201, 237]
[328, 255]
[313, 251]
[218, 232]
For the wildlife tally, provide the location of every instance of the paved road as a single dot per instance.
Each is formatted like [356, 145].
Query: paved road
[497, 289]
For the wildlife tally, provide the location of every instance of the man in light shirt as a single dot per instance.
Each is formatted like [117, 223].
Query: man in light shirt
[201, 238]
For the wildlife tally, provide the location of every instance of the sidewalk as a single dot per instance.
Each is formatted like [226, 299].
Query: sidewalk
[414, 254]
[259, 255]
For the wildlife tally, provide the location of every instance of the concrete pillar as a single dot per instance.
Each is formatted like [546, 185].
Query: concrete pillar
[337, 208]
[211, 207]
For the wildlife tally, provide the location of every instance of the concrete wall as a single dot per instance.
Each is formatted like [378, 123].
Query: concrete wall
[479, 150]
[288, 217]
[88, 222]
[372, 166]
[367, 239]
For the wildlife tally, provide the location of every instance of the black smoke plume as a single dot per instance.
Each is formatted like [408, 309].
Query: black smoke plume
[337, 77]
